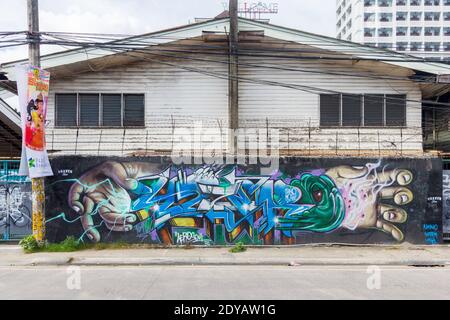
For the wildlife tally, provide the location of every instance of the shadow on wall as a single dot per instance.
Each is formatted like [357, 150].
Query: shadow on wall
[151, 200]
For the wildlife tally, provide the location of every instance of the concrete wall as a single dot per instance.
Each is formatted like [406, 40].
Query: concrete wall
[331, 200]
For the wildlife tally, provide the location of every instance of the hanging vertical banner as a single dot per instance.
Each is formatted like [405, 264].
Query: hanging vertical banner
[33, 87]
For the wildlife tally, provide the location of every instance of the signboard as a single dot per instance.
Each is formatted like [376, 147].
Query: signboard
[33, 87]
[258, 7]
[255, 9]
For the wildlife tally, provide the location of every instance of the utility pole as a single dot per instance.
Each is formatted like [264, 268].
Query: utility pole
[233, 86]
[37, 184]
[34, 55]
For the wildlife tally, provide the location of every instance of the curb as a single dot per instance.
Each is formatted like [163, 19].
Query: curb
[230, 262]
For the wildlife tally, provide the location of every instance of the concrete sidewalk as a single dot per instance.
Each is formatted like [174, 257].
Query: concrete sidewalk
[273, 256]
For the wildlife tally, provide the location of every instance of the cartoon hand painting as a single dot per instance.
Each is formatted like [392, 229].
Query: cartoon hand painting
[105, 190]
[367, 192]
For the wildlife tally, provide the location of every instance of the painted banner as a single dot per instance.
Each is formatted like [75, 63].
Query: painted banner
[33, 87]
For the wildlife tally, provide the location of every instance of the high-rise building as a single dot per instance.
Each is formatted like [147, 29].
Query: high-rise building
[417, 27]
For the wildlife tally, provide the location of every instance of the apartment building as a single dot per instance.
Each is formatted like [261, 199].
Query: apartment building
[417, 27]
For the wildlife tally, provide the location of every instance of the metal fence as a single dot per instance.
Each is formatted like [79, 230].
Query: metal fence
[9, 172]
[290, 141]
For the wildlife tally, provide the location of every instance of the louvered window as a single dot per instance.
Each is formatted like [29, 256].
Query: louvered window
[112, 110]
[396, 110]
[351, 110]
[89, 110]
[134, 115]
[100, 110]
[374, 110]
[330, 105]
[66, 110]
[370, 110]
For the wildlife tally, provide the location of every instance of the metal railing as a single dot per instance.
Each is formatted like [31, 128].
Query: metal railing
[304, 139]
[9, 172]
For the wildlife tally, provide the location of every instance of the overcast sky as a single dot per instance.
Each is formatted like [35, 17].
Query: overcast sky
[141, 16]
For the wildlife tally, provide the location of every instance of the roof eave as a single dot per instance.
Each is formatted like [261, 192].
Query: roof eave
[10, 116]
[82, 54]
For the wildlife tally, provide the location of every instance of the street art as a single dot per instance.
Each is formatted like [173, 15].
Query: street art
[158, 202]
[446, 202]
[15, 210]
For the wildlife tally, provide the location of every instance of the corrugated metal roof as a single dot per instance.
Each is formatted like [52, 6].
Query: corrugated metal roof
[7, 113]
[10, 131]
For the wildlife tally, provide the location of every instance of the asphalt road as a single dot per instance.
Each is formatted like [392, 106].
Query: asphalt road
[237, 283]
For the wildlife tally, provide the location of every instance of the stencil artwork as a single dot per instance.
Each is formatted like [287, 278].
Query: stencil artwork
[15, 210]
[214, 205]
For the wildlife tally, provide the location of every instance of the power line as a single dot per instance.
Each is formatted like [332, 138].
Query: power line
[362, 54]
[323, 43]
[308, 89]
[159, 50]
[272, 67]
[253, 52]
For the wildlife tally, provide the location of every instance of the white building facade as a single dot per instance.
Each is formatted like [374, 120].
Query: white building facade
[417, 27]
[123, 104]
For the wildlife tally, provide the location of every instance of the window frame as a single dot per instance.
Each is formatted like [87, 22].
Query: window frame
[363, 103]
[77, 110]
[405, 111]
[100, 120]
[121, 109]
[124, 106]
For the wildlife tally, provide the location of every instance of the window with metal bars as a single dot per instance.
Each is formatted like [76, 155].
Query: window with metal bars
[99, 110]
[368, 110]
[66, 110]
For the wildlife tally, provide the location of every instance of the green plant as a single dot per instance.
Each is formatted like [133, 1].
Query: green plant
[29, 244]
[70, 244]
[238, 248]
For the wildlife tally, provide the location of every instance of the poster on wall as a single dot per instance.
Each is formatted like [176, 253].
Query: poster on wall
[33, 87]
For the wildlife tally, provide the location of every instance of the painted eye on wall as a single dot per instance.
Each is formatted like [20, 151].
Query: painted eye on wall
[317, 195]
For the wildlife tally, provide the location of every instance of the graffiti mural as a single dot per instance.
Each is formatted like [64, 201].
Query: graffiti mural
[15, 210]
[446, 203]
[304, 201]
